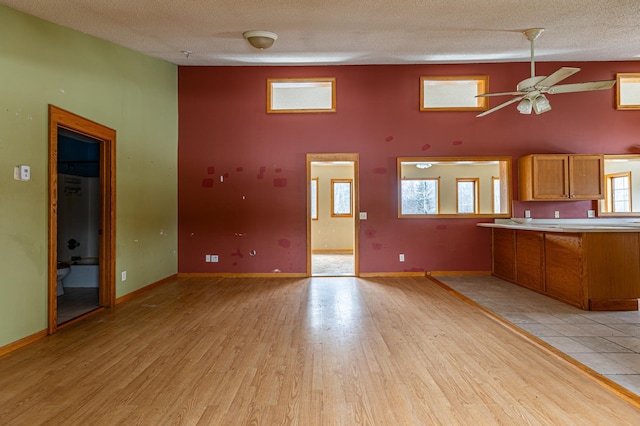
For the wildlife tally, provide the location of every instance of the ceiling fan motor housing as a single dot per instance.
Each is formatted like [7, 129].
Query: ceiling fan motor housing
[530, 83]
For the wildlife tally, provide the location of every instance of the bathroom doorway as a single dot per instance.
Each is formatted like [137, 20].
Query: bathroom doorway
[333, 218]
[81, 214]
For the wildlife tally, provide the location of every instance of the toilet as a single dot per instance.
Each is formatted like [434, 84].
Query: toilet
[63, 269]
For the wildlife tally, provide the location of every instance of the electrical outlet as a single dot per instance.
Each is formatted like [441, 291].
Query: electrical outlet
[556, 214]
[527, 213]
[124, 275]
[401, 257]
[214, 257]
[591, 213]
[22, 173]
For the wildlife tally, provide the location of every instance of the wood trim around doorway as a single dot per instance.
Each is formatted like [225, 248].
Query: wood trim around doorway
[59, 118]
[338, 156]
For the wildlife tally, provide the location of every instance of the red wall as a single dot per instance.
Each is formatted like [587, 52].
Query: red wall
[261, 205]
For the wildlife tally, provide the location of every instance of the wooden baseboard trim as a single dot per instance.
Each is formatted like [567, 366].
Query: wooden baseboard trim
[436, 273]
[391, 274]
[332, 251]
[604, 381]
[613, 304]
[144, 289]
[242, 275]
[22, 342]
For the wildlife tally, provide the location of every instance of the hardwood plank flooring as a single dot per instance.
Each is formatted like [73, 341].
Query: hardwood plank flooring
[318, 351]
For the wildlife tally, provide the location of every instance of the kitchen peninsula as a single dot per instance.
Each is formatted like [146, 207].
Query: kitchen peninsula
[593, 265]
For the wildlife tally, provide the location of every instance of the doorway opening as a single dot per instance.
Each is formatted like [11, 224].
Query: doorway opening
[332, 219]
[81, 217]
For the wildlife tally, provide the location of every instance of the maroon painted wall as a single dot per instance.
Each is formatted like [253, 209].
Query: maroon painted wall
[224, 131]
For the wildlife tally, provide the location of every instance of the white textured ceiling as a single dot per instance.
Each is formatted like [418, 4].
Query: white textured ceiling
[355, 32]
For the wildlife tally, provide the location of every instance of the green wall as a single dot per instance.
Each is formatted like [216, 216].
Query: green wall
[40, 64]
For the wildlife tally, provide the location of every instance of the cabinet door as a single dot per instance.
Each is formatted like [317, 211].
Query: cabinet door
[550, 177]
[586, 177]
[563, 268]
[529, 255]
[503, 259]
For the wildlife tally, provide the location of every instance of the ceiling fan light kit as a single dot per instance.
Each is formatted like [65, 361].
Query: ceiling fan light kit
[525, 106]
[530, 91]
[260, 39]
[541, 104]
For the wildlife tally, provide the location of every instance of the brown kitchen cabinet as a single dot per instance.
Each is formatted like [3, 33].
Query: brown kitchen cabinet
[563, 268]
[529, 259]
[561, 177]
[517, 257]
[589, 270]
[504, 250]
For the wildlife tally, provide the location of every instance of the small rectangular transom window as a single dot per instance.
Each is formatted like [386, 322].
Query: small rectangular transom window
[300, 95]
[454, 93]
[628, 91]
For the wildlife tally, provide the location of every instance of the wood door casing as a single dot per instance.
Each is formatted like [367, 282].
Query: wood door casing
[59, 118]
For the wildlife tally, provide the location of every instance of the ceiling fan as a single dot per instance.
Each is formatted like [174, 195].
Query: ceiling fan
[530, 92]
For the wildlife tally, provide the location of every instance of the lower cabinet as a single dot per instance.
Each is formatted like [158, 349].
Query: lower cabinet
[563, 268]
[589, 270]
[503, 249]
[529, 256]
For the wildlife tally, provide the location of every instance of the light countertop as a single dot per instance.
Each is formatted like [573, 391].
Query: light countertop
[568, 225]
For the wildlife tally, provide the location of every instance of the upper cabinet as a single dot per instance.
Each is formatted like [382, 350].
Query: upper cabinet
[561, 177]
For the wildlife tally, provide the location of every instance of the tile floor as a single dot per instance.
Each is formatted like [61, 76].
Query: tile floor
[76, 301]
[607, 342]
[332, 265]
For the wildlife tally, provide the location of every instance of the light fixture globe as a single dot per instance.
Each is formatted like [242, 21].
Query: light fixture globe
[260, 39]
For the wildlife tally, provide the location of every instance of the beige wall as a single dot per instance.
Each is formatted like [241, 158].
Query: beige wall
[331, 233]
[41, 64]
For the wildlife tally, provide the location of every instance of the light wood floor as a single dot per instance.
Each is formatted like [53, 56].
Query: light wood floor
[320, 351]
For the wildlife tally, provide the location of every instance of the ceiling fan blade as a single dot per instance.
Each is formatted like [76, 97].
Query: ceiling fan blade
[500, 94]
[582, 87]
[502, 105]
[557, 77]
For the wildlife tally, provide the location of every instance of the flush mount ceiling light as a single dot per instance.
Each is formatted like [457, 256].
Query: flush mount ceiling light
[423, 165]
[260, 39]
